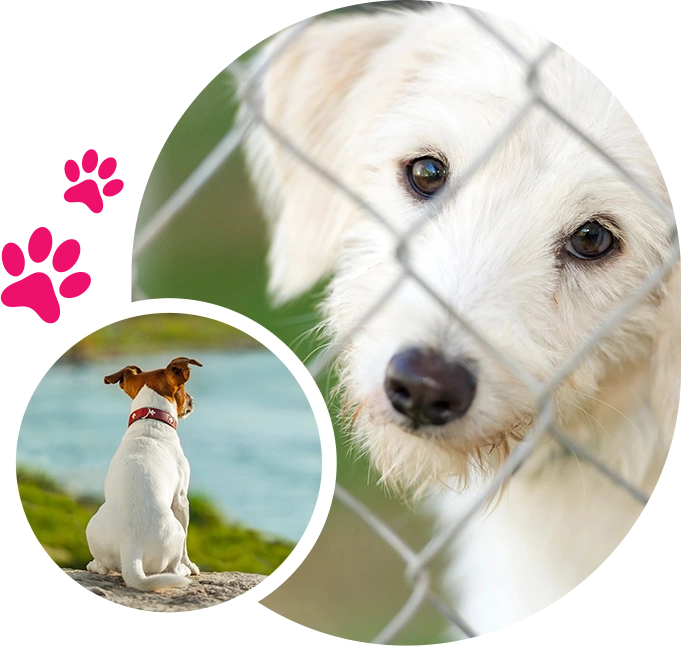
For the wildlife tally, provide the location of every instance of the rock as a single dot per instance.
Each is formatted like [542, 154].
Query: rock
[206, 589]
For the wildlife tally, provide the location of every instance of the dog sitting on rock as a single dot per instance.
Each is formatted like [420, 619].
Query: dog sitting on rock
[141, 529]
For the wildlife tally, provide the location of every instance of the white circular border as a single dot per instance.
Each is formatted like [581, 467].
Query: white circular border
[319, 410]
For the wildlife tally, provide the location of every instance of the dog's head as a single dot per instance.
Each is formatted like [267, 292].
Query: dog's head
[541, 241]
[168, 382]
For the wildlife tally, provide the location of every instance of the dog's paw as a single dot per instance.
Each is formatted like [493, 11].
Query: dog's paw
[95, 567]
[186, 569]
[182, 570]
[87, 192]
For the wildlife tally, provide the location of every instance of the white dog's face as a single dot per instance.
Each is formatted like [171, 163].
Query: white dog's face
[533, 251]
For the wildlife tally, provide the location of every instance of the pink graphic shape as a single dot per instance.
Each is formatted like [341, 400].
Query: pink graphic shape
[89, 89]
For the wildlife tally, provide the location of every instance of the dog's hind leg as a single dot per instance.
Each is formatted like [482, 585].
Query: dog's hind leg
[176, 566]
[179, 568]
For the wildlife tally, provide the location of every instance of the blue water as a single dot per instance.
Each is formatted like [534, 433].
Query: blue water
[252, 442]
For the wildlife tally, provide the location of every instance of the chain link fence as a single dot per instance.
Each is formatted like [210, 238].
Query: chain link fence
[416, 562]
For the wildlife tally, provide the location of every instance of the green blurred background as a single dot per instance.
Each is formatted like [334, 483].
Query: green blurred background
[352, 583]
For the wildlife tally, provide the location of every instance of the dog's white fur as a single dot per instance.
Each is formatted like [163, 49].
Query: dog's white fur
[361, 96]
[141, 529]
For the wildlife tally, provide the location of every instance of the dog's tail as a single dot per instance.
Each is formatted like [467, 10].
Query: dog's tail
[134, 576]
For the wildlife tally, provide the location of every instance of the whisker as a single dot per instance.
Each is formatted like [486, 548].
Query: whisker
[600, 401]
[583, 410]
[581, 472]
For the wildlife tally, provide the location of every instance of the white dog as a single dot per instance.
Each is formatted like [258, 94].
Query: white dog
[534, 251]
[141, 529]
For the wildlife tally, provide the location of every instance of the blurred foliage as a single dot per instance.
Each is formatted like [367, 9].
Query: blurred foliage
[213, 543]
[156, 332]
[57, 520]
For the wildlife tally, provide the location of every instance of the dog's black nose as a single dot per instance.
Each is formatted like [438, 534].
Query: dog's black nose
[429, 389]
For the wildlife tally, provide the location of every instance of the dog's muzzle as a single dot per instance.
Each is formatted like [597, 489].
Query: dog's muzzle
[428, 388]
[188, 406]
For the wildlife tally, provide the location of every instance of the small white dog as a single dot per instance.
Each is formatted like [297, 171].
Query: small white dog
[141, 529]
[534, 251]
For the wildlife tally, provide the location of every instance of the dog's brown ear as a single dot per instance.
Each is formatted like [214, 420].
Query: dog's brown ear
[179, 371]
[321, 91]
[665, 360]
[120, 376]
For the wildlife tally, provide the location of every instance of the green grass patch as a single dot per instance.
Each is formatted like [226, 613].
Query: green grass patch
[215, 544]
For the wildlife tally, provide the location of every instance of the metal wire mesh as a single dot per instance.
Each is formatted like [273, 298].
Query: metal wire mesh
[416, 562]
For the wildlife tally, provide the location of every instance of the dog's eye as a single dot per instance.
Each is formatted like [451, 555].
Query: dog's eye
[426, 175]
[592, 240]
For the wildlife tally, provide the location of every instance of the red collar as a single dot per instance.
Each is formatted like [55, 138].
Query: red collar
[152, 413]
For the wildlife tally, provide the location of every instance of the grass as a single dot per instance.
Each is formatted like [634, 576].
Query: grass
[214, 543]
[57, 520]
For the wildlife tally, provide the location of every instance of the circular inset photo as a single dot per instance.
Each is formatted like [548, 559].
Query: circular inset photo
[169, 462]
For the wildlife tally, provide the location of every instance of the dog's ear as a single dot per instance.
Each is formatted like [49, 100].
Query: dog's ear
[179, 371]
[666, 356]
[119, 377]
[318, 94]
